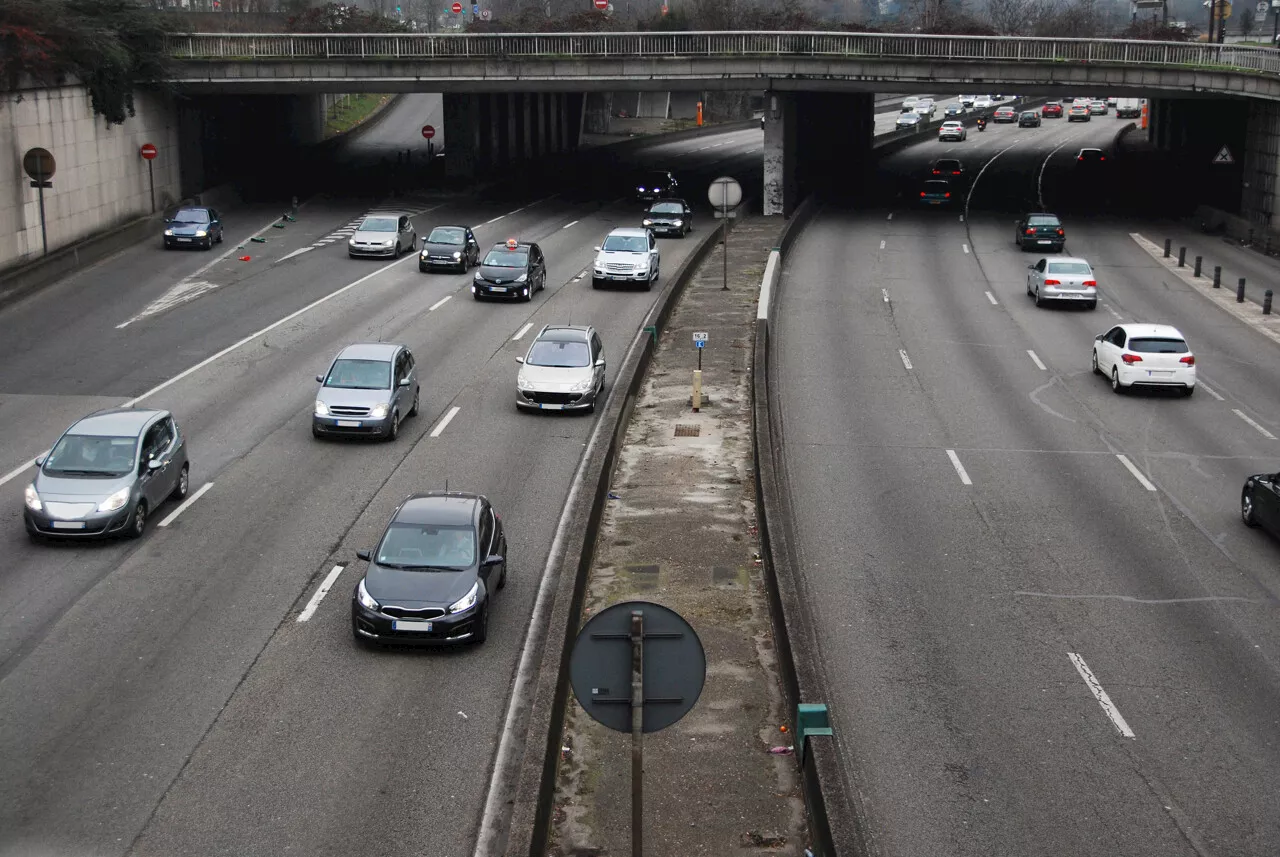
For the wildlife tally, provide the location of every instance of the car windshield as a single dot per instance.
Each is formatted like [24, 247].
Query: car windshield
[948, 165]
[667, 208]
[1068, 268]
[627, 243]
[557, 353]
[428, 546]
[379, 224]
[1042, 221]
[1155, 345]
[191, 215]
[909, 117]
[360, 375]
[653, 180]
[1029, 115]
[447, 235]
[96, 456]
[507, 258]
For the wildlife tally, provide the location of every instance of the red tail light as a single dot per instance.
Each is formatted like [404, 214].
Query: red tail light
[1190, 360]
[1030, 231]
[1081, 158]
[1060, 232]
[1090, 284]
[922, 193]
[948, 194]
[937, 172]
[1053, 282]
[1130, 358]
[955, 172]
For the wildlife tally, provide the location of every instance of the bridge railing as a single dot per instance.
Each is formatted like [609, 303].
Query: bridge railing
[424, 46]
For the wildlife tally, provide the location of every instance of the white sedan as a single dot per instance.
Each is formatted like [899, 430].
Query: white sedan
[953, 130]
[1062, 278]
[1145, 355]
[982, 102]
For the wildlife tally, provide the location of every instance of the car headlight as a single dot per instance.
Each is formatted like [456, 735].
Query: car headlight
[115, 501]
[647, 223]
[365, 599]
[467, 601]
[168, 233]
[678, 223]
[582, 386]
[423, 254]
[523, 383]
[380, 411]
[640, 189]
[522, 278]
[478, 277]
[32, 499]
[201, 233]
[322, 410]
[456, 256]
[389, 242]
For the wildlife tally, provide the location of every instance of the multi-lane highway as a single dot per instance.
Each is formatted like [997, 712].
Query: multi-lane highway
[983, 524]
[162, 697]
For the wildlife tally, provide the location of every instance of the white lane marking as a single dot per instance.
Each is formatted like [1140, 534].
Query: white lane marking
[444, 421]
[965, 248]
[890, 217]
[495, 220]
[992, 298]
[1111, 310]
[906, 361]
[1242, 415]
[187, 290]
[325, 585]
[522, 331]
[1203, 386]
[204, 489]
[297, 252]
[885, 292]
[955, 462]
[1040, 177]
[435, 306]
[21, 468]
[882, 245]
[1036, 360]
[978, 177]
[1104, 700]
[570, 223]
[962, 218]
[1137, 474]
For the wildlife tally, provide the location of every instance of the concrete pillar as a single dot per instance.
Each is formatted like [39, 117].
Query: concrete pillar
[462, 118]
[780, 189]
[512, 137]
[526, 125]
[497, 125]
[1261, 163]
[544, 123]
[574, 117]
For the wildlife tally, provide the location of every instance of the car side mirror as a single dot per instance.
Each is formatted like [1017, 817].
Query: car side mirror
[155, 464]
[1098, 338]
[404, 382]
[39, 462]
[365, 555]
[320, 379]
[494, 559]
[597, 249]
[519, 359]
[600, 363]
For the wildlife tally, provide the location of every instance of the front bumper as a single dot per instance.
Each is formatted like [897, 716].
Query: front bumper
[354, 426]
[374, 252]
[619, 277]
[93, 525]
[186, 241]
[380, 628]
[666, 228]
[1132, 376]
[505, 290]
[444, 263]
[534, 400]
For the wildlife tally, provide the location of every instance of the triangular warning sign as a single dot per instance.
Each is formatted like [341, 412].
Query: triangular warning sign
[1223, 156]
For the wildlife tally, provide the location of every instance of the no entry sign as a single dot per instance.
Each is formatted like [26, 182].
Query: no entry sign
[148, 151]
[428, 131]
[457, 8]
[602, 4]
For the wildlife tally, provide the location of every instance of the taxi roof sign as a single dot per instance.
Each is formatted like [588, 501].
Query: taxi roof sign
[511, 243]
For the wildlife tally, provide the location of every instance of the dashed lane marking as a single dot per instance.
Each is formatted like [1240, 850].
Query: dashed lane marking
[435, 306]
[965, 248]
[1095, 687]
[1242, 415]
[992, 298]
[882, 245]
[297, 252]
[444, 421]
[1203, 386]
[1036, 360]
[329, 580]
[522, 331]
[906, 361]
[1137, 474]
[570, 223]
[960, 471]
[885, 292]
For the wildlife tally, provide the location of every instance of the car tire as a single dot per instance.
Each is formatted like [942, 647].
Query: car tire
[502, 581]
[481, 633]
[422, 269]
[1116, 386]
[137, 524]
[1246, 508]
[1092, 304]
[595, 284]
[1097, 370]
[220, 237]
[181, 489]
[208, 243]
[393, 430]
[417, 394]
[1188, 392]
[315, 432]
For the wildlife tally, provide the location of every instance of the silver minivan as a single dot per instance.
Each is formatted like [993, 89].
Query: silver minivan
[107, 474]
[368, 390]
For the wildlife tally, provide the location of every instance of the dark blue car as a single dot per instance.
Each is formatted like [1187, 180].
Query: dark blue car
[193, 227]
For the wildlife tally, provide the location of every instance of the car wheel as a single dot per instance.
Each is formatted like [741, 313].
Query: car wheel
[422, 268]
[533, 287]
[1246, 508]
[595, 284]
[315, 432]
[208, 243]
[220, 237]
[481, 632]
[502, 581]
[184, 484]
[1116, 386]
[1188, 391]
[393, 430]
[1039, 300]
[1097, 370]
[413, 411]
[138, 521]
[1092, 304]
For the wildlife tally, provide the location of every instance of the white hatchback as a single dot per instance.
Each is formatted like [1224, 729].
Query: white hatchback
[952, 130]
[982, 102]
[1145, 355]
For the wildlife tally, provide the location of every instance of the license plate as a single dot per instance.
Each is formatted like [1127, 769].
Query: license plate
[618, 277]
[184, 239]
[410, 625]
[497, 288]
[552, 407]
[1156, 373]
[348, 424]
[68, 525]
[1044, 240]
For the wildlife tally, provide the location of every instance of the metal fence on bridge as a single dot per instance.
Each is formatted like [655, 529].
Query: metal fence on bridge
[725, 45]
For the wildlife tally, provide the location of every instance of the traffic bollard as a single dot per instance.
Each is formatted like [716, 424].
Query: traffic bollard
[1199, 259]
[1182, 257]
[1266, 302]
[1217, 276]
[1168, 247]
[1240, 291]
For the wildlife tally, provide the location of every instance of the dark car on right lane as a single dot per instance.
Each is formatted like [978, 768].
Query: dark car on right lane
[656, 184]
[1260, 502]
[1040, 230]
[513, 269]
[1029, 119]
[669, 217]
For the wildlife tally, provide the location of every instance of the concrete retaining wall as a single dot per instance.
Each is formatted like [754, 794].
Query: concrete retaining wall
[100, 182]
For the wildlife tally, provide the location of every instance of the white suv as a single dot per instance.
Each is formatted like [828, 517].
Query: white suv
[953, 130]
[628, 255]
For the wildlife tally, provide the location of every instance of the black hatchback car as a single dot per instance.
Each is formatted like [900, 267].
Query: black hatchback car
[193, 227]
[1040, 231]
[658, 184]
[449, 247]
[669, 217]
[513, 269]
[1260, 502]
[1029, 119]
[432, 577]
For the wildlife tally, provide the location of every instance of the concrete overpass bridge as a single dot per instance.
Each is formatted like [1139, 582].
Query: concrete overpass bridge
[509, 96]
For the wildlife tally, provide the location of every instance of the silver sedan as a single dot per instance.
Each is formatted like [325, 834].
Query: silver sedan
[1062, 278]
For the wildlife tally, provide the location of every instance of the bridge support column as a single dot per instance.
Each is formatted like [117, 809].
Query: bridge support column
[544, 121]
[780, 189]
[556, 121]
[462, 118]
[513, 129]
[526, 127]
[1259, 200]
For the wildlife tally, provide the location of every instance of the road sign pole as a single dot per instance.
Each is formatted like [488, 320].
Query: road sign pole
[151, 180]
[44, 234]
[637, 733]
[724, 215]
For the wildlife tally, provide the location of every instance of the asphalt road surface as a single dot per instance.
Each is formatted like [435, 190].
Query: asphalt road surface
[973, 544]
[396, 130]
[161, 697]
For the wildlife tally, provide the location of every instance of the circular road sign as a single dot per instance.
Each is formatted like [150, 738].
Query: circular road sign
[675, 666]
[148, 151]
[457, 8]
[602, 4]
[486, 15]
[725, 193]
[428, 131]
[39, 164]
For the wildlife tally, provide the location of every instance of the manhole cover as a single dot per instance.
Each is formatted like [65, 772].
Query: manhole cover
[688, 431]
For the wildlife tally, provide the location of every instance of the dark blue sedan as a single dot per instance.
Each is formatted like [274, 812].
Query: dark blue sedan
[193, 227]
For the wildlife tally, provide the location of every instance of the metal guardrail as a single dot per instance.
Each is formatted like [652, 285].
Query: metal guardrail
[423, 46]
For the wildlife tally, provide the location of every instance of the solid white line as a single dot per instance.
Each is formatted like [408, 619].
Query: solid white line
[445, 420]
[965, 248]
[955, 462]
[570, 223]
[298, 252]
[1137, 474]
[522, 331]
[495, 220]
[21, 469]
[992, 298]
[1242, 415]
[1036, 360]
[1040, 178]
[978, 177]
[906, 361]
[1095, 687]
[325, 586]
[1203, 386]
[881, 245]
[185, 503]
[435, 306]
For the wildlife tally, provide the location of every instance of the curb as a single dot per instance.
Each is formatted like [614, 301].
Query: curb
[532, 784]
[673, 136]
[369, 122]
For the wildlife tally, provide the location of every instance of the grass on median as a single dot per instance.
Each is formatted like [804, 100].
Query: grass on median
[350, 111]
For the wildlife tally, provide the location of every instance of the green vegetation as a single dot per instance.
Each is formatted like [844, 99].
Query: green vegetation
[350, 111]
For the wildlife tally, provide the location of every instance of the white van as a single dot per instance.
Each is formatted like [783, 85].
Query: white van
[1128, 108]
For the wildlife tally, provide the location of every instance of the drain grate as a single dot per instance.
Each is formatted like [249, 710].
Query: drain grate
[688, 431]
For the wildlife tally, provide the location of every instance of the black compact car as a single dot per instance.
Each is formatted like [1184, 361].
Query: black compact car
[512, 269]
[669, 217]
[432, 577]
[449, 247]
[658, 184]
[948, 167]
[1040, 231]
[1260, 502]
[1029, 119]
[193, 227]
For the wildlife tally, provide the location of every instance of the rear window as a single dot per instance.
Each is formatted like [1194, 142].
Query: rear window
[1152, 345]
[937, 186]
[1068, 268]
[1042, 221]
